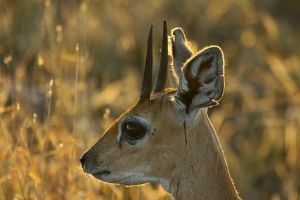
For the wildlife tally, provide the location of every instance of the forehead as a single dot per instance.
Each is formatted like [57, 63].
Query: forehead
[156, 102]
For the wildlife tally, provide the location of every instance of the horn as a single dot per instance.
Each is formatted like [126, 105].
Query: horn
[161, 78]
[147, 79]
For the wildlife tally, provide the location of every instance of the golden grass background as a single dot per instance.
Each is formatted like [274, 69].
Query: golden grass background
[68, 68]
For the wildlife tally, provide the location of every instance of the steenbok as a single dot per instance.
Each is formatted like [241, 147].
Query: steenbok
[166, 137]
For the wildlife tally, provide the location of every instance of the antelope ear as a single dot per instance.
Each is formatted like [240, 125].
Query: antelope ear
[180, 50]
[201, 82]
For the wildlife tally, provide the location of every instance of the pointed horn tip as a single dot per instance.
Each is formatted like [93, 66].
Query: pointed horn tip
[150, 31]
[165, 24]
[149, 43]
[165, 30]
[165, 33]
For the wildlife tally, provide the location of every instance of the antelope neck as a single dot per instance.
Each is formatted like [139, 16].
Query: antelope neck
[203, 173]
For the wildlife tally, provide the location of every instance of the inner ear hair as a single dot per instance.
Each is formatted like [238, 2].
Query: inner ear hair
[202, 80]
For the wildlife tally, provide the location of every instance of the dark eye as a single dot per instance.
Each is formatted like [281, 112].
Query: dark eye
[133, 131]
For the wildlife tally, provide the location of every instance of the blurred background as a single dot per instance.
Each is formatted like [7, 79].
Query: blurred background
[68, 68]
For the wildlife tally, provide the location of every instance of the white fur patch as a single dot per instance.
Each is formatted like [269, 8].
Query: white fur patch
[130, 179]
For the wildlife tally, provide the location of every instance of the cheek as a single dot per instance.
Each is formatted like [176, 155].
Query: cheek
[169, 143]
[123, 159]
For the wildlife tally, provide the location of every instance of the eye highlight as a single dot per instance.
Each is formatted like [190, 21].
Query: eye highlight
[133, 128]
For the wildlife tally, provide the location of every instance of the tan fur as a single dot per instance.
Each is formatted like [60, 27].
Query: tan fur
[183, 152]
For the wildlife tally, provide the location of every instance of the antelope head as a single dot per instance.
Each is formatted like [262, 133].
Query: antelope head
[148, 143]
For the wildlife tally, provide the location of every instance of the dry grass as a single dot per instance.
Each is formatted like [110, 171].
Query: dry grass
[68, 68]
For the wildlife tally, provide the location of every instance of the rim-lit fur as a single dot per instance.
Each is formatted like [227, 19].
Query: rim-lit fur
[180, 148]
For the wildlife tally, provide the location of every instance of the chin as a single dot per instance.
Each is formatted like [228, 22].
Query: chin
[125, 178]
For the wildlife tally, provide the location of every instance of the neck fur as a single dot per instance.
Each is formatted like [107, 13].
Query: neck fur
[203, 173]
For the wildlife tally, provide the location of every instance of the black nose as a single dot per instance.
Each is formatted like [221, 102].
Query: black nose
[82, 160]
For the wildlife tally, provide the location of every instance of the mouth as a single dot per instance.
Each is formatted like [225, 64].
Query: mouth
[101, 174]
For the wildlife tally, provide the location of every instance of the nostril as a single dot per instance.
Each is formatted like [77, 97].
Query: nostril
[82, 160]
